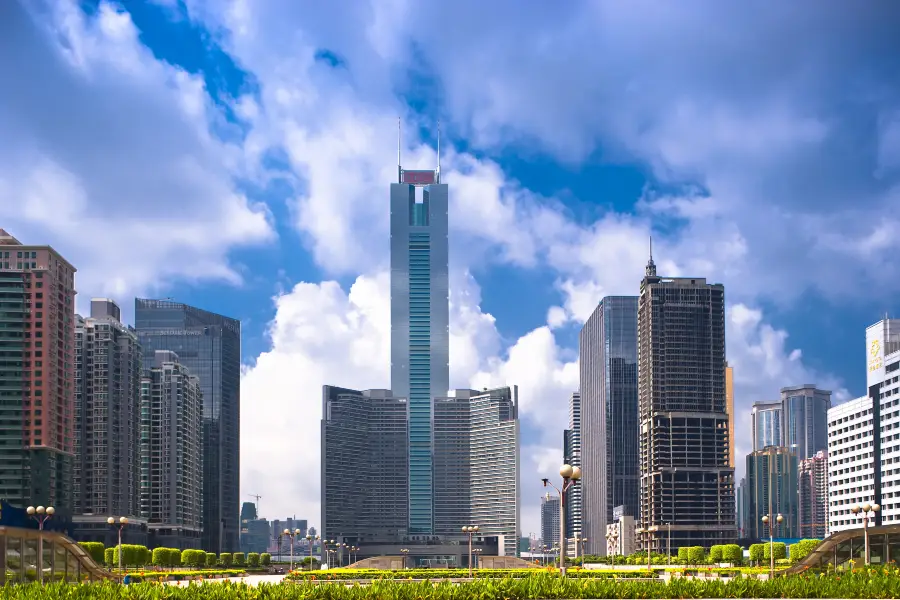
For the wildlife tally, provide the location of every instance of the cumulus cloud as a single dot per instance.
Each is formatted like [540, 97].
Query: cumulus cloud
[108, 153]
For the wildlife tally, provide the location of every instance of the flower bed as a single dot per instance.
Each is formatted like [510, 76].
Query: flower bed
[860, 584]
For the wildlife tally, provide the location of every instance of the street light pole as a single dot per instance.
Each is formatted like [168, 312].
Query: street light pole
[470, 530]
[865, 509]
[40, 514]
[570, 476]
[120, 525]
[669, 543]
[766, 520]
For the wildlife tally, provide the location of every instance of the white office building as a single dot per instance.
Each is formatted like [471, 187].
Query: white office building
[864, 438]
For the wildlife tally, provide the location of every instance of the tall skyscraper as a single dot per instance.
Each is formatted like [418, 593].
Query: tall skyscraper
[772, 490]
[765, 421]
[729, 408]
[740, 500]
[420, 323]
[805, 414]
[572, 456]
[365, 473]
[171, 452]
[209, 346]
[37, 363]
[813, 475]
[108, 370]
[608, 364]
[686, 480]
[550, 520]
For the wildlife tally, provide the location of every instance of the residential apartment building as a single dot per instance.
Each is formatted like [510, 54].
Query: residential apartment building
[208, 345]
[813, 475]
[37, 363]
[108, 371]
[687, 483]
[171, 496]
[608, 374]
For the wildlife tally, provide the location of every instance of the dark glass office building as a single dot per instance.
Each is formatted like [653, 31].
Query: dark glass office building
[209, 345]
[687, 482]
[609, 416]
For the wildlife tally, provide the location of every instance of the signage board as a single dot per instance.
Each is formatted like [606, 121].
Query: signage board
[875, 353]
[418, 177]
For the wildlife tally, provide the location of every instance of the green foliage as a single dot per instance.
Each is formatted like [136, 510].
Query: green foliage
[683, 554]
[757, 552]
[265, 559]
[108, 557]
[225, 559]
[801, 549]
[211, 559]
[715, 554]
[696, 555]
[732, 553]
[96, 551]
[237, 558]
[132, 555]
[780, 550]
[193, 558]
[253, 559]
[166, 557]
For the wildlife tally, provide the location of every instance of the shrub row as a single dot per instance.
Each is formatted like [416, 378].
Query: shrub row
[139, 556]
[858, 584]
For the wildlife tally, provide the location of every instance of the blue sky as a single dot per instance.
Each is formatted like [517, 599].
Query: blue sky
[236, 155]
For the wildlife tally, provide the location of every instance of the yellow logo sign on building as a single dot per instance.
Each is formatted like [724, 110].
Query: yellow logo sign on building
[875, 355]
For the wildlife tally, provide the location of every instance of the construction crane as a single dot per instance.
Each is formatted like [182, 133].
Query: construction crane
[257, 497]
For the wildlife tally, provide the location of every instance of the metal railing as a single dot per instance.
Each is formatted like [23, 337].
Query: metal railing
[62, 560]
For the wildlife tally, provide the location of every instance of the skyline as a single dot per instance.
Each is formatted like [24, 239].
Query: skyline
[260, 195]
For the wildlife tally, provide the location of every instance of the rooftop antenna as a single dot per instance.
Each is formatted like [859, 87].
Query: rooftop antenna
[439, 152]
[399, 141]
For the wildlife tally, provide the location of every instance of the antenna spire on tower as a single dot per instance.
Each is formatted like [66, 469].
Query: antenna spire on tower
[650, 270]
[399, 142]
[439, 152]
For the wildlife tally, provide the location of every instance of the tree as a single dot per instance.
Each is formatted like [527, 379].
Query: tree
[696, 555]
[253, 559]
[757, 552]
[801, 549]
[95, 550]
[715, 554]
[108, 555]
[211, 559]
[265, 559]
[237, 558]
[732, 553]
[780, 550]
[193, 558]
[225, 559]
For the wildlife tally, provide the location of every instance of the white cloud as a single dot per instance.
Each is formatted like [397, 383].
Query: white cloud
[107, 155]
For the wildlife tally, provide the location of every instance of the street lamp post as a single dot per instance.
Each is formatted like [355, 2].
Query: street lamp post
[291, 535]
[767, 521]
[477, 552]
[570, 476]
[310, 539]
[405, 553]
[669, 542]
[470, 530]
[40, 514]
[865, 509]
[120, 525]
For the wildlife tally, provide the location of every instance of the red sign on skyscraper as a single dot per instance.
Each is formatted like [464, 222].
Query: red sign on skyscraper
[418, 177]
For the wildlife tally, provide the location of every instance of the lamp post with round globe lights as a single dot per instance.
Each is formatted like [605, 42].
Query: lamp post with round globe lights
[40, 514]
[310, 539]
[768, 521]
[120, 525]
[291, 535]
[405, 553]
[470, 530]
[570, 476]
[865, 509]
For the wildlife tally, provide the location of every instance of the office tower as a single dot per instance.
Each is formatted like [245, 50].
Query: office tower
[420, 323]
[255, 531]
[765, 420]
[740, 501]
[550, 520]
[813, 476]
[729, 408]
[608, 368]
[805, 419]
[772, 490]
[37, 362]
[108, 370]
[686, 484]
[171, 452]
[209, 346]
[365, 473]
[856, 455]
[572, 456]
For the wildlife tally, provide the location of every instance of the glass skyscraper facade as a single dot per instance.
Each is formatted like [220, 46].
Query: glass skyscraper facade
[805, 419]
[420, 324]
[209, 346]
[609, 416]
[765, 420]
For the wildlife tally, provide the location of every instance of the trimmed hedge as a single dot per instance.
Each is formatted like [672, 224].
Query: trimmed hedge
[96, 550]
[253, 559]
